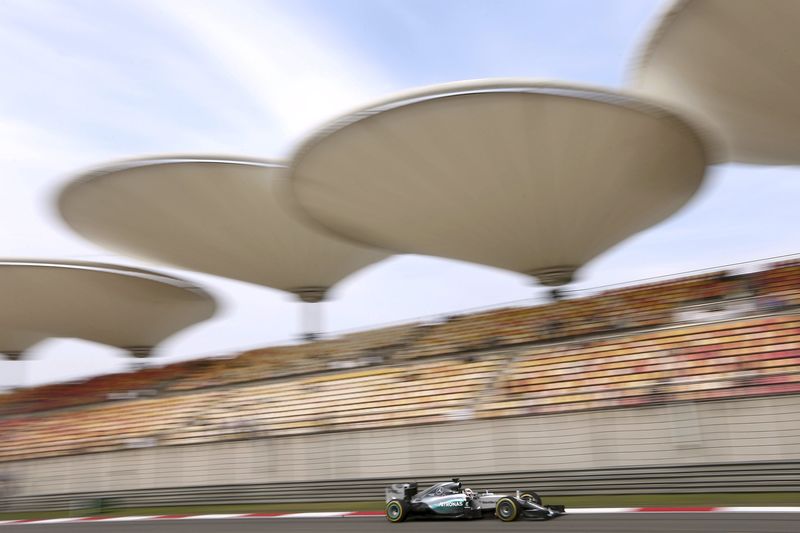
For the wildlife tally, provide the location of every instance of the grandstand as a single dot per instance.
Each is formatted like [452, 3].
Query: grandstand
[621, 349]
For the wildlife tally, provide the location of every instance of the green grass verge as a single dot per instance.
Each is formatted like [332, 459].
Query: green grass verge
[620, 500]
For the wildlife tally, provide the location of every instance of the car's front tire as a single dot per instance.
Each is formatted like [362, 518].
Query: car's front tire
[531, 496]
[506, 510]
[397, 511]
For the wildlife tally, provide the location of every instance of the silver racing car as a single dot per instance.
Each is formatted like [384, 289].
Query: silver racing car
[450, 500]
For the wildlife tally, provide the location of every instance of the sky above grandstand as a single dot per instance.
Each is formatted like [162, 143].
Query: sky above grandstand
[85, 82]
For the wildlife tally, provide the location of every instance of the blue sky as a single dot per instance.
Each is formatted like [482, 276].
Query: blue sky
[86, 81]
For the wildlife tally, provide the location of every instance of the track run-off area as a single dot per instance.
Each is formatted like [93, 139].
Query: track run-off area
[718, 520]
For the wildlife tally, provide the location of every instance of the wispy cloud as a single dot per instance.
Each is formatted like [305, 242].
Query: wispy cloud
[296, 72]
[106, 74]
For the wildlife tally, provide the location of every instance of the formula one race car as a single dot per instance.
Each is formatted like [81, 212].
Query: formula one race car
[449, 500]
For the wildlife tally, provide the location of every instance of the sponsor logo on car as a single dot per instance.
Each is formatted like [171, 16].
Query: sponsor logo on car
[451, 503]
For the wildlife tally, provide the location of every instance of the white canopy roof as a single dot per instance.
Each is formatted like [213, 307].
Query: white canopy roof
[126, 307]
[732, 64]
[219, 215]
[534, 177]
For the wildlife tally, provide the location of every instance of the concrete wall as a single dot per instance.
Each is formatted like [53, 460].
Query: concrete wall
[685, 433]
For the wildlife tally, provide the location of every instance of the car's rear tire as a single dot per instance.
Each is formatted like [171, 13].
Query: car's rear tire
[531, 496]
[506, 509]
[397, 511]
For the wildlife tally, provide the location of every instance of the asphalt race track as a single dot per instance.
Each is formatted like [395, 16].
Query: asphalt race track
[633, 522]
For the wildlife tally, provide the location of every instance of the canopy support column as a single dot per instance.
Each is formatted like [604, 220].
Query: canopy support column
[311, 311]
[19, 375]
[554, 276]
[13, 356]
[140, 352]
[311, 320]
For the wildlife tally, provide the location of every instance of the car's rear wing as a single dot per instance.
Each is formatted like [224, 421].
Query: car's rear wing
[401, 491]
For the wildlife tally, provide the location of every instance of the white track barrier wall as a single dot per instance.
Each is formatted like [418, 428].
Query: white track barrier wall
[766, 429]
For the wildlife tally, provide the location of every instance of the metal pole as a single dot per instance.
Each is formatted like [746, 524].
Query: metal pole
[310, 310]
[311, 320]
[19, 376]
